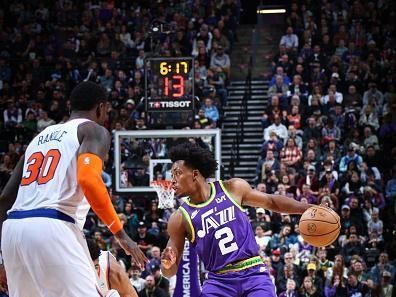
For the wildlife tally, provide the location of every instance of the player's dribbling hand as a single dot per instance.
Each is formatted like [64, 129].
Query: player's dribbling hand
[131, 248]
[168, 257]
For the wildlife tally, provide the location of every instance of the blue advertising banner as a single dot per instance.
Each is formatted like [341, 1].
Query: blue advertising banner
[187, 282]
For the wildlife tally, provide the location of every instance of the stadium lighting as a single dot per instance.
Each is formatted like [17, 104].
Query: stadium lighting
[271, 11]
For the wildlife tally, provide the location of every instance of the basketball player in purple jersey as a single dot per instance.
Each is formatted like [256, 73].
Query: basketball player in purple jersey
[214, 220]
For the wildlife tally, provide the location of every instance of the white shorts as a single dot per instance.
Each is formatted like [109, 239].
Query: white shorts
[46, 257]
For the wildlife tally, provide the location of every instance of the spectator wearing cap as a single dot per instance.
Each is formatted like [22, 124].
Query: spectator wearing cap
[346, 220]
[276, 261]
[309, 179]
[261, 216]
[144, 239]
[350, 156]
[385, 288]
[316, 279]
[139, 176]
[160, 281]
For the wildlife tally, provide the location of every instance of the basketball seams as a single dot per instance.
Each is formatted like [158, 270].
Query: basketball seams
[330, 241]
[315, 220]
[318, 235]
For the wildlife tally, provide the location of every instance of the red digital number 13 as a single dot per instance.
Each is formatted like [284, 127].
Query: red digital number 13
[177, 86]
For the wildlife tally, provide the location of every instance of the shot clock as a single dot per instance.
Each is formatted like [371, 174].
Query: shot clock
[169, 86]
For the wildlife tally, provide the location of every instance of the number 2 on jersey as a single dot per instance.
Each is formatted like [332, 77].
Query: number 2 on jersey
[229, 237]
[41, 169]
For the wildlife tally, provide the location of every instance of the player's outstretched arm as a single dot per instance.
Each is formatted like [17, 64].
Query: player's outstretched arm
[95, 143]
[10, 191]
[245, 195]
[171, 256]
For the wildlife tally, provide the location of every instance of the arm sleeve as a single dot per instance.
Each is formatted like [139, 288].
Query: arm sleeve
[89, 175]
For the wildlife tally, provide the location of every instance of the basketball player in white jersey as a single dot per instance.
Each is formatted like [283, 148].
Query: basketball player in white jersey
[44, 251]
[113, 280]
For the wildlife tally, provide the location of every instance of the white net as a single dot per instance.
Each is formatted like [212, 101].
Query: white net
[165, 193]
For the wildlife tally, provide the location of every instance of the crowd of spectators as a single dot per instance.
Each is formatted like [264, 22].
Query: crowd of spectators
[48, 47]
[328, 129]
[329, 137]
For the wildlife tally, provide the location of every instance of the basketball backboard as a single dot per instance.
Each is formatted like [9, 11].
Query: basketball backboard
[140, 157]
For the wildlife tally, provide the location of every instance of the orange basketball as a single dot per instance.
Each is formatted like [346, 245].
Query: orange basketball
[319, 226]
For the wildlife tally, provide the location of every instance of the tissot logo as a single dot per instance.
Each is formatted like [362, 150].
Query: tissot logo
[170, 104]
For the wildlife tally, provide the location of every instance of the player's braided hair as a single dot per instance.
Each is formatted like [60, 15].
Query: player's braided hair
[195, 157]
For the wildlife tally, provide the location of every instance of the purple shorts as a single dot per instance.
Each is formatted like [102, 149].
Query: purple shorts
[250, 282]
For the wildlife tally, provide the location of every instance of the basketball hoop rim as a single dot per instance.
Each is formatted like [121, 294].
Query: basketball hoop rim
[165, 193]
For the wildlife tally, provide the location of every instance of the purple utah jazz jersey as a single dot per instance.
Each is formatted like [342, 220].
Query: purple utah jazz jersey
[222, 233]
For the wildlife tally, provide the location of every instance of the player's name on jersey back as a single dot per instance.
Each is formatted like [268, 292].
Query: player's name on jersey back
[53, 136]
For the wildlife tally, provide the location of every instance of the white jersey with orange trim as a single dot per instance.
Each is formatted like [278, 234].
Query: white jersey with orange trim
[49, 177]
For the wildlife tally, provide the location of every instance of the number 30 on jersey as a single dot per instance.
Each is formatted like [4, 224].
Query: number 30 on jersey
[41, 168]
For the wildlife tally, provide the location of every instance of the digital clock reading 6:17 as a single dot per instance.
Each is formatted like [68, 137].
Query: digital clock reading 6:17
[174, 75]
[169, 84]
